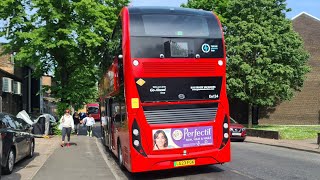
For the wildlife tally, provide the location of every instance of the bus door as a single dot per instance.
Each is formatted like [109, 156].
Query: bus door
[115, 121]
[106, 128]
[109, 137]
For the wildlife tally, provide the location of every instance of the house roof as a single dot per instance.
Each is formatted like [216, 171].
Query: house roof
[304, 13]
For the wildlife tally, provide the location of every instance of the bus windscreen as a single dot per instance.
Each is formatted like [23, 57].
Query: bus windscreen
[175, 26]
[93, 110]
[175, 36]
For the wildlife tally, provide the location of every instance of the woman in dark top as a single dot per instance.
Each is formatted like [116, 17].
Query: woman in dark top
[76, 119]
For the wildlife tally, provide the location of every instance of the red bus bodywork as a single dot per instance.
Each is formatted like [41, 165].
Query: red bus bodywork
[198, 129]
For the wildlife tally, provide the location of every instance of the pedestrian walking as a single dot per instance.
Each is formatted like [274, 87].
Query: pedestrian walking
[76, 119]
[67, 124]
[82, 115]
[103, 123]
[89, 122]
[103, 120]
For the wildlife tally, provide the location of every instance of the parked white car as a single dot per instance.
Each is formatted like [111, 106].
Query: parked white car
[25, 116]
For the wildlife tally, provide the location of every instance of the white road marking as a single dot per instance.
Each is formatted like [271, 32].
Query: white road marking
[237, 172]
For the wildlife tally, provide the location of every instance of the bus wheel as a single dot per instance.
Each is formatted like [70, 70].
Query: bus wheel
[120, 156]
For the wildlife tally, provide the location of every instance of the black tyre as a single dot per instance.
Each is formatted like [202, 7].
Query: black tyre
[120, 156]
[10, 162]
[31, 152]
[103, 136]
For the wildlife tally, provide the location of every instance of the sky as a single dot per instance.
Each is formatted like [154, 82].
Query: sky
[311, 7]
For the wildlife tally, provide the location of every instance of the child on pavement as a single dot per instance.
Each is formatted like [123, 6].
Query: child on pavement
[89, 122]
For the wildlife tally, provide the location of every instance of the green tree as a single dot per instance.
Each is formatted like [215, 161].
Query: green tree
[64, 37]
[218, 6]
[267, 62]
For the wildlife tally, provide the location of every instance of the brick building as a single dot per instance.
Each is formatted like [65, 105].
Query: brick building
[18, 89]
[49, 103]
[304, 108]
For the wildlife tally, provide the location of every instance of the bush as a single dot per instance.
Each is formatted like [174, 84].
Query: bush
[56, 130]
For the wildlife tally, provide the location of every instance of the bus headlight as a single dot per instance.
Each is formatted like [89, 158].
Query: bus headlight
[135, 62]
[135, 132]
[136, 138]
[136, 143]
[225, 125]
[220, 62]
[225, 132]
[226, 135]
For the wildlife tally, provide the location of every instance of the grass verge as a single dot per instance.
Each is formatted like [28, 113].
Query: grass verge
[292, 132]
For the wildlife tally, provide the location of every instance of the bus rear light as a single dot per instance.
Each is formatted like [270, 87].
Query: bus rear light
[220, 62]
[225, 131]
[136, 138]
[135, 62]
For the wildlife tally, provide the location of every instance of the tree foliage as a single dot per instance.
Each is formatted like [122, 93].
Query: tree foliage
[218, 6]
[266, 57]
[64, 37]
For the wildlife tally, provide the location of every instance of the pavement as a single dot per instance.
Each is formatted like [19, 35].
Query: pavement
[309, 145]
[81, 161]
[49, 156]
[27, 168]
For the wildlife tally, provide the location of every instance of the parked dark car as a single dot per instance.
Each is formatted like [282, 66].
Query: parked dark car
[17, 141]
[238, 131]
[0, 152]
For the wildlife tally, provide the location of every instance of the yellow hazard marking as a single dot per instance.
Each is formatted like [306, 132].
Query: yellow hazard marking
[134, 103]
[141, 82]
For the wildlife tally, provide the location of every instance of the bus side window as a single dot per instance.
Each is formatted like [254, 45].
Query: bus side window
[117, 48]
[116, 112]
[123, 112]
[109, 107]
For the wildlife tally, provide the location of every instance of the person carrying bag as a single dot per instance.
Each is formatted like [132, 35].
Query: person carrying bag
[67, 124]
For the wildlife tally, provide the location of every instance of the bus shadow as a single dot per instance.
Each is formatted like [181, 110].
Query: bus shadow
[208, 170]
[173, 173]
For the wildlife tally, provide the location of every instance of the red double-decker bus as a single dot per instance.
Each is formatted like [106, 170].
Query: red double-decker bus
[164, 94]
[94, 110]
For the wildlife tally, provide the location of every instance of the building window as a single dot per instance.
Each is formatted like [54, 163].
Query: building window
[6, 84]
[17, 87]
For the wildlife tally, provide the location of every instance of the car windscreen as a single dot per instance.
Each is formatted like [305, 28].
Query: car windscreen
[233, 121]
[175, 36]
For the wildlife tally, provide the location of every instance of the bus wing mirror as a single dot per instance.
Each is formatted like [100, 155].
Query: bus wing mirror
[120, 56]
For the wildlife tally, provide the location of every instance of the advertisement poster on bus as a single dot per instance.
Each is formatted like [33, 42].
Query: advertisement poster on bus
[182, 137]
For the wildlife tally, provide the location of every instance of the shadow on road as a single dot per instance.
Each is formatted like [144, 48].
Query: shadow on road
[204, 171]
[173, 173]
[23, 164]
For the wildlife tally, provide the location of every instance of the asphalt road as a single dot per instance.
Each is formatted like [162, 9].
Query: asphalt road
[249, 161]
[87, 158]
[269, 162]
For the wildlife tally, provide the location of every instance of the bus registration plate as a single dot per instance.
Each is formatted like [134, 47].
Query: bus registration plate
[189, 162]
